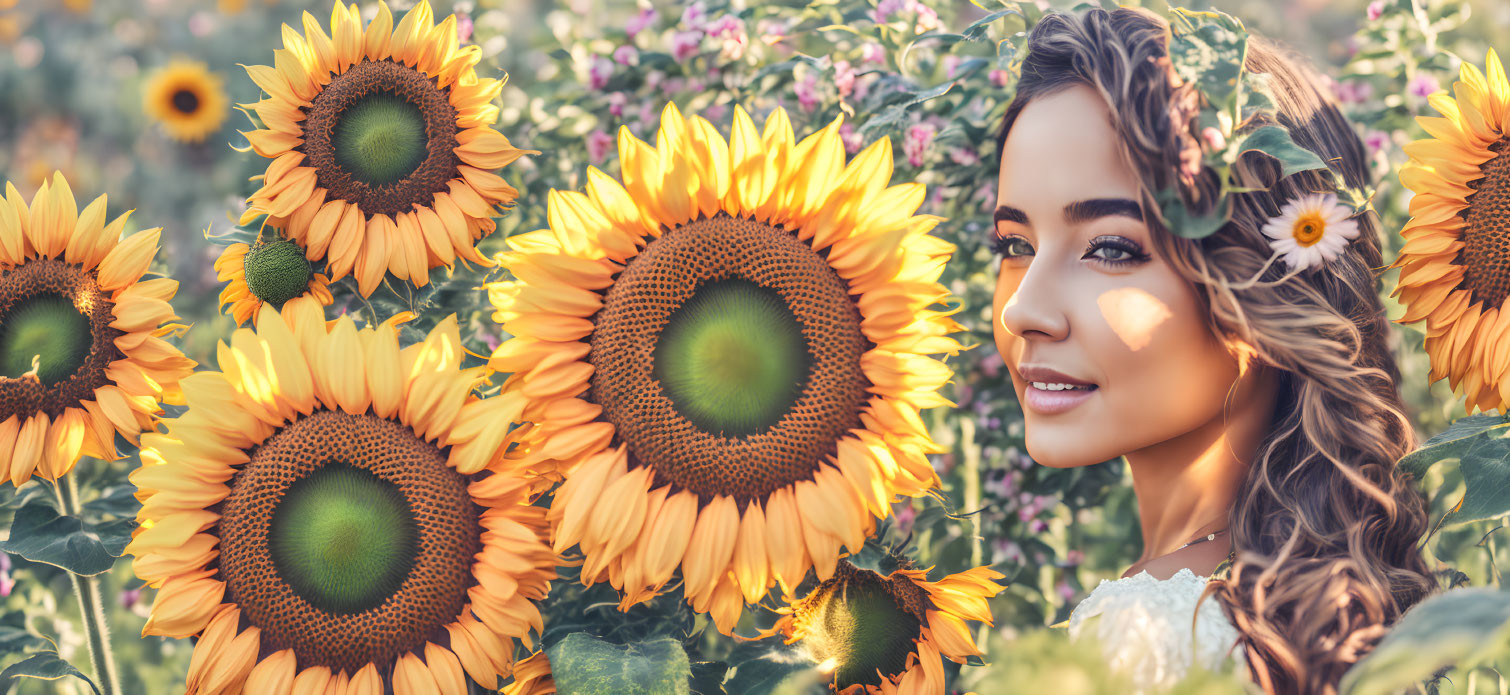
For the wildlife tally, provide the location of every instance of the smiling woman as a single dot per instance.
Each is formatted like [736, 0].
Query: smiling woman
[1254, 401]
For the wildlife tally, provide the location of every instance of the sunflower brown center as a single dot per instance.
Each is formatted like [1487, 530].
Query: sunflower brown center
[382, 135]
[865, 623]
[1485, 256]
[727, 357]
[55, 338]
[277, 272]
[348, 539]
[185, 101]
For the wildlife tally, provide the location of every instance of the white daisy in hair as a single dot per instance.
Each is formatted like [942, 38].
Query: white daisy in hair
[1311, 230]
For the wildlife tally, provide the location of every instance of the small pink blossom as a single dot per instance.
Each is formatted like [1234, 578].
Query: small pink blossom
[918, 138]
[640, 22]
[851, 139]
[1376, 140]
[598, 72]
[464, 28]
[807, 92]
[1375, 10]
[1065, 591]
[599, 144]
[695, 16]
[715, 112]
[844, 78]
[1004, 550]
[964, 156]
[1074, 557]
[1000, 77]
[1424, 85]
[927, 19]
[729, 30]
[951, 64]
[872, 52]
[7, 583]
[885, 9]
[626, 55]
[1350, 92]
[1214, 138]
[991, 368]
[1037, 526]
[685, 44]
[616, 103]
[130, 597]
[904, 516]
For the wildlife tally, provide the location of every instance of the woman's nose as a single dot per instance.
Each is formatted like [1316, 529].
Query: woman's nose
[1035, 309]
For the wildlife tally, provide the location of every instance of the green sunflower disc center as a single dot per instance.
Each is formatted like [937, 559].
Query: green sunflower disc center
[380, 139]
[343, 538]
[862, 628]
[733, 359]
[277, 272]
[46, 332]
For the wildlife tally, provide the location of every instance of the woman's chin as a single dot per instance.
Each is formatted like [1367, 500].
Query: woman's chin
[1064, 451]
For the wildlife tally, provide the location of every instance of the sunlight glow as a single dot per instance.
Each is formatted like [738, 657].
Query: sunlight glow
[1133, 314]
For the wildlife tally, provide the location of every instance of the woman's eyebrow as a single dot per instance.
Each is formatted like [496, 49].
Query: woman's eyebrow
[1086, 210]
[1079, 211]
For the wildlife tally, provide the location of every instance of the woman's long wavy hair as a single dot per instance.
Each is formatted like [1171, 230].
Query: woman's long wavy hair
[1325, 528]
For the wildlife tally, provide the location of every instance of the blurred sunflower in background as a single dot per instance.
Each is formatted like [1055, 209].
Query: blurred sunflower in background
[267, 272]
[1455, 265]
[889, 634]
[532, 676]
[82, 333]
[382, 154]
[726, 356]
[187, 99]
[333, 511]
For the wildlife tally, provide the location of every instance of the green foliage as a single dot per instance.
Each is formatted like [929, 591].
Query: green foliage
[1464, 627]
[582, 664]
[45, 666]
[40, 534]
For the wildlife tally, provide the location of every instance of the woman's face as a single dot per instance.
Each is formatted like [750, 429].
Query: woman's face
[1082, 300]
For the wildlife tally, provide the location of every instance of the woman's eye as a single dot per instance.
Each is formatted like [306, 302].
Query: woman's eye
[1012, 246]
[1116, 251]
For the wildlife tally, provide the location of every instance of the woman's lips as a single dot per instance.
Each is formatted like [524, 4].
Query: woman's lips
[1055, 402]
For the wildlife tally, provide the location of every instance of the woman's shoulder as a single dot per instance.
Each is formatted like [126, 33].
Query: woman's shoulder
[1145, 626]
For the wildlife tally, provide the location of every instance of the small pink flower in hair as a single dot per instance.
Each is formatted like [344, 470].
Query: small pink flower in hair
[1375, 10]
[1311, 230]
[1214, 138]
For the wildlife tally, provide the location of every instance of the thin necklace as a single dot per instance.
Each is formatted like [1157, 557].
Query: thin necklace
[1209, 537]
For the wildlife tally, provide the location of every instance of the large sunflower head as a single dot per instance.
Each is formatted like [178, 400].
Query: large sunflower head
[333, 509]
[187, 99]
[268, 272]
[1455, 265]
[887, 634]
[382, 154]
[83, 354]
[726, 356]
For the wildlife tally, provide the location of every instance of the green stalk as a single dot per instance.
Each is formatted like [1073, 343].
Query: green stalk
[91, 602]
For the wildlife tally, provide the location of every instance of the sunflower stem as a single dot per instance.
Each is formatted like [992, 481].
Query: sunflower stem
[91, 602]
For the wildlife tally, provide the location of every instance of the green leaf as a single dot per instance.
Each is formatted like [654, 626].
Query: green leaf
[1481, 445]
[763, 668]
[1277, 143]
[708, 678]
[581, 663]
[1179, 220]
[1462, 627]
[47, 666]
[1208, 50]
[14, 640]
[977, 29]
[898, 111]
[40, 534]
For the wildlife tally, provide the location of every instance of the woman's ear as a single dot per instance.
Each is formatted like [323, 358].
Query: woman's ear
[1247, 356]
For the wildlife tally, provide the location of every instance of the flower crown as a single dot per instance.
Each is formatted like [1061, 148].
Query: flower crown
[1207, 50]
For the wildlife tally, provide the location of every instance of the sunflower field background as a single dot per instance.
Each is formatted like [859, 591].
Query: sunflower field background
[137, 100]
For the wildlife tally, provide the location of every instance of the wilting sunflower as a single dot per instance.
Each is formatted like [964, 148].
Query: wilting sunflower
[726, 357]
[82, 333]
[886, 634]
[187, 99]
[382, 154]
[1455, 265]
[333, 510]
[273, 273]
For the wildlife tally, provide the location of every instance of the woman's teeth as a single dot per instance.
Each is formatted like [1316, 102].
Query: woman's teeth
[1044, 386]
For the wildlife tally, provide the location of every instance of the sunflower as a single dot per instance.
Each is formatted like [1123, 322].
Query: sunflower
[1455, 265]
[532, 676]
[333, 510]
[878, 634]
[81, 333]
[382, 154]
[270, 272]
[187, 99]
[726, 356]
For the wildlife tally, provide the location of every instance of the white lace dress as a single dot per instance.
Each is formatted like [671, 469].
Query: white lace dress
[1144, 626]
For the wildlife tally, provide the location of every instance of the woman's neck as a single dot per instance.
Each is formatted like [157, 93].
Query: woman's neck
[1186, 486]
